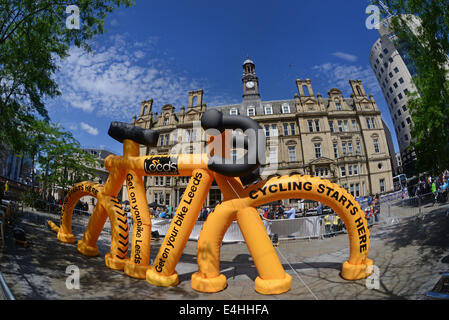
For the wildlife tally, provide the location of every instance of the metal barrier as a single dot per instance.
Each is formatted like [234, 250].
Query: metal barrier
[5, 292]
[55, 208]
[314, 227]
[306, 227]
[391, 196]
[10, 210]
[2, 228]
[298, 228]
[291, 228]
[233, 233]
[418, 201]
[385, 198]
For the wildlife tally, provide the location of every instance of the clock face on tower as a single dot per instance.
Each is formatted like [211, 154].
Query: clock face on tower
[250, 84]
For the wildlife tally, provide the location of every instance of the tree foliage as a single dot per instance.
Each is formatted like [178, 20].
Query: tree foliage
[428, 49]
[59, 157]
[33, 35]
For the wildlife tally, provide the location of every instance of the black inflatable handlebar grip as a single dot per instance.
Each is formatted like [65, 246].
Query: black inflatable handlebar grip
[121, 131]
[214, 119]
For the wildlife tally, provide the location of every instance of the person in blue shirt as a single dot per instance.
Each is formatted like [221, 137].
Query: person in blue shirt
[444, 190]
[370, 200]
[445, 185]
[319, 209]
[291, 213]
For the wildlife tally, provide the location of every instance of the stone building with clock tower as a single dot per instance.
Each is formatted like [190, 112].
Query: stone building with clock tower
[251, 95]
[250, 81]
[338, 138]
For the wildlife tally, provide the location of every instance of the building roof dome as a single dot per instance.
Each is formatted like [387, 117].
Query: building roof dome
[248, 60]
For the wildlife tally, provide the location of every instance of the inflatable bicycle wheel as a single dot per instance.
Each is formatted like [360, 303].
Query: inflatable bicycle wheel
[107, 206]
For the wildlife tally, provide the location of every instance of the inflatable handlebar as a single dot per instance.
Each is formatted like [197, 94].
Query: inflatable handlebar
[121, 131]
[254, 143]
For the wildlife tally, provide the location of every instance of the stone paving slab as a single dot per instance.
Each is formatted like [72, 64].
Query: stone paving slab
[408, 255]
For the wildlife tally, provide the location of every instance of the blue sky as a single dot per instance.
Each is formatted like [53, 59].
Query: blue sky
[163, 49]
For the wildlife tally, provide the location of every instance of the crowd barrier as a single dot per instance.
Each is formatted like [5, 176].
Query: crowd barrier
[298, 228]
[310, 227]
[56, 208]
[9, 210]
[418, 200]
[385, 198]
[232, 235]
[5, 292]
[304, 227]
[307, 227]
[391, 196]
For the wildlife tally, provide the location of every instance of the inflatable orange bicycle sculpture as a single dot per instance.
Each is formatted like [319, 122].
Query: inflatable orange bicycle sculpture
[239, 204]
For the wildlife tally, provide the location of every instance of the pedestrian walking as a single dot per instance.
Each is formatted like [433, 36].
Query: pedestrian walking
[376, 208]
[2, 191]
[327, 224]
[265, 213]
[369, 215]
[280, 212]
[419, 191]
[271, 214]
[204, 214]
[403, 197]
[291, 213]
[434, 192]
[319, 209]
[336, 226]
[370, 200]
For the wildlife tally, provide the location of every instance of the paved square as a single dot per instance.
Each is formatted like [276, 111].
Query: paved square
[409, 256]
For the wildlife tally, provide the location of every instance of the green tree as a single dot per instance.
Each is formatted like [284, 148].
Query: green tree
[428, 49]
[36, 131]
[59, 157]
[33, 35]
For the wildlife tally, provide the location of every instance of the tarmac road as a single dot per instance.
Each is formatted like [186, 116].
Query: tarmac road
[410, 256]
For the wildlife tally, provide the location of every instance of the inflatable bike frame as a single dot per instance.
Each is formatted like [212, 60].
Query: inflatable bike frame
[239, 204]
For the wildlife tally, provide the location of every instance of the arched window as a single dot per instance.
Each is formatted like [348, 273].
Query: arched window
[194, 101]
[305, 90]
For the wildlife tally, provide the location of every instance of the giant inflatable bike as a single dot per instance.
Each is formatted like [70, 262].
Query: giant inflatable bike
[242, 194]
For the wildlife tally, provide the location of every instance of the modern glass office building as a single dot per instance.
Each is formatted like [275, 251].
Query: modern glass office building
[394, 70]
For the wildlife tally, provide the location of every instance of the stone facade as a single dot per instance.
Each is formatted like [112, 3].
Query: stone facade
[100, 174]
[338, 138]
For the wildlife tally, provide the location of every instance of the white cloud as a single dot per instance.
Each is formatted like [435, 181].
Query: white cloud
[89, 129]
[139, 54]
[118, 75]
[72, 126]
[338, 76]
[112, 81]
[345, 56]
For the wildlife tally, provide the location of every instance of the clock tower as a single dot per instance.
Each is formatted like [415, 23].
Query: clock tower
[250, 81]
